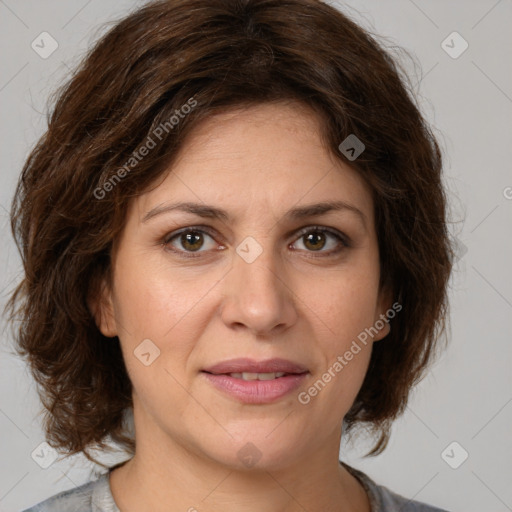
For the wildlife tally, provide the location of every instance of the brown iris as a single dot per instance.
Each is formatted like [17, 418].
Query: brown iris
[315, 239]
[192, 240]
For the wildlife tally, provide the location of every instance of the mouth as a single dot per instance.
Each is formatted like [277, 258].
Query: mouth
[251, 376]
[269, 369]
[257, 376]
[253, 382]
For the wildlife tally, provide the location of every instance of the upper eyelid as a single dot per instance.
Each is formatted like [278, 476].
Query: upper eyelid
[316, 227]
[204, 229]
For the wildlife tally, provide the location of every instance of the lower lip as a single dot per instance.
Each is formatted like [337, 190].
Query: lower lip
[256, 391]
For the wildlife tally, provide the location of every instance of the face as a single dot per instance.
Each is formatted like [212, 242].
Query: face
[252, 271]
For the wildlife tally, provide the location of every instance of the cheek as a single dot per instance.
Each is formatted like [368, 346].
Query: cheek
[341, 309]
[342, 304]
[153, 300]
[165, 306]
[156, 313]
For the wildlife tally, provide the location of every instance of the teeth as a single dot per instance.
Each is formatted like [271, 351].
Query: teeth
[256, 376]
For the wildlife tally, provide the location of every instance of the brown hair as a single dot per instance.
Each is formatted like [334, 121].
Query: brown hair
[72, 196]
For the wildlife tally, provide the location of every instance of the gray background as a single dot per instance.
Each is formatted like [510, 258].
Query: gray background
[467, 396]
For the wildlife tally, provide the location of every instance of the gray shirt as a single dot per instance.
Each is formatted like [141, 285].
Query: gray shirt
[96, 496]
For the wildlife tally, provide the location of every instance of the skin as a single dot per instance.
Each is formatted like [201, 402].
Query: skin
[294, 301]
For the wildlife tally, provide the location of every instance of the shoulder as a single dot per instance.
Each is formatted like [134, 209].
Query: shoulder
[92, 496]
[383, 499]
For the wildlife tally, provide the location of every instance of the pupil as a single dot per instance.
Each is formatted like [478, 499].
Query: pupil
[192, 240]
[315, 238]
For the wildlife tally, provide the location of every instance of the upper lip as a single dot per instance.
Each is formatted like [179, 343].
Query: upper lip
[242, 365]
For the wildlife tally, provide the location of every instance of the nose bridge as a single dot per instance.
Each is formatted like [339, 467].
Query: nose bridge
[256, 295]
[256, 266]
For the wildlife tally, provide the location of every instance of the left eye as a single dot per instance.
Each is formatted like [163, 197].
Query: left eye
[191, 240]
[317, 239]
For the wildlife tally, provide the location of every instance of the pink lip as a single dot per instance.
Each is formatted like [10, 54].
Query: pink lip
[256, 391]
[244, 364]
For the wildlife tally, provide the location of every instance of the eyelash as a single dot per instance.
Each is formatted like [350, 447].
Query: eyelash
[341, 238]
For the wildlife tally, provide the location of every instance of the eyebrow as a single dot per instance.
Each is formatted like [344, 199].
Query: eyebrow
[299, 213]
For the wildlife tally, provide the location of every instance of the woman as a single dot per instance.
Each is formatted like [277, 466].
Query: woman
[234, 229]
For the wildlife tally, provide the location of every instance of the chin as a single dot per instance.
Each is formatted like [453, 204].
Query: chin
[256, 449]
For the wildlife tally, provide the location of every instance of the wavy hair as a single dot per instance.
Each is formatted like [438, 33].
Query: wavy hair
[224, 54]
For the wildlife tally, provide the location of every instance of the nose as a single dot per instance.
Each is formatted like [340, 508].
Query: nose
[257, 296]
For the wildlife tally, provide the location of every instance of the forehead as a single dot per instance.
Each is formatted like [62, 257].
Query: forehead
[262, 159]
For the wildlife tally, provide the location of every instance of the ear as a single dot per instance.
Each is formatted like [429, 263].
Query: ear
[384, 303]
[101, 307]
